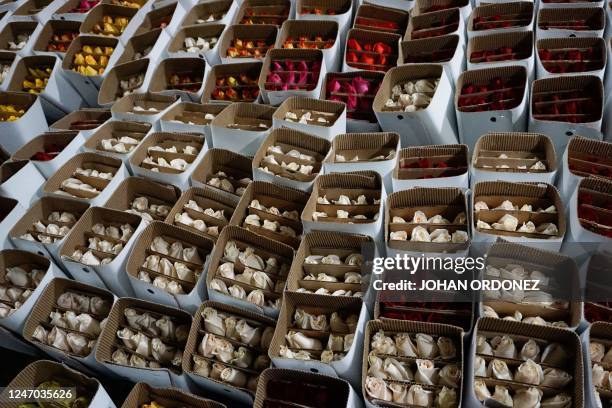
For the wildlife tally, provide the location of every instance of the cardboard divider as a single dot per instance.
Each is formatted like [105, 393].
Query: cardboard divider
[162, 196]
[511, 156]
[543, 336]
[435, 330]
[234, 41]
[572, 55]
[116, 129]
[55, 28]
[191, 293]
[264, 247]
[144, 107]
[142, 394]
[112, 87]
[503, 17]
[371, 37]
[42, 371]
[246, 75]
[579, 22]
[221, 11]
[378, 18]
[199, 334]
[319, 34]
[290, 140]
[435, 24]
[207, 199]
[108, 342]
[264, 12]
[221, 164]
[242, 127]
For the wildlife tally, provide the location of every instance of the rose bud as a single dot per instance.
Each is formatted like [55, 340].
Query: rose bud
[351, 57]
[353, 44]
[361, 85]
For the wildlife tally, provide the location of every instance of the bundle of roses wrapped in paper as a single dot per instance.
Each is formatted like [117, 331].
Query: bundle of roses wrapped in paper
[371, 50]
[140, 335]
[503, 47]
[122, 80]
[319, 269]
[108, 20]
[272, 211]
[69, 317]
[224, 171]
[233, 83]
[357, 90]
[117, 138]
[203, 211]
[482, 91]
[248, 270]
[89, 56]
[588, 157]
[518, 365]
[292, 73]
[599, 337]
[550, 305]
[247, 41]
[171, 153]
[208, 13]
[412, 364]
[57, 37]
[228, 345]
[571, 55]
[424, 166]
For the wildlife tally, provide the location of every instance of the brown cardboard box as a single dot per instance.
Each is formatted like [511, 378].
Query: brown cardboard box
[143, 393]
[235, 167]
[256, 32]
[241, 127]
[177, 46]
[115, 129]
[144, 107]
[520, 42]
[594, 20]
[520, 15]
[375, 13]
[191, 117]
[364, 146]
[332, 113]
[250, 70]
[207, 198]
[264, 12]
[368, 36]
[157, 194]
[434, 24]
[192, 68]
[12, 30]
[51, 28]
[221, 10]
[137, 45]
[596, 65]
[429, 50]
[157, 17]
[111, 90]
[84, 120]
[96, 15]
[68, 142]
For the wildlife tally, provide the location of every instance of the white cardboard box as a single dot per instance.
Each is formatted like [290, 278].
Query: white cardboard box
[557, 15]
[12, 177]
[10, 212]
[111, 89]
[307, 27]
[190, 117]
[343, 13]
[145, 107]
[598, 44]
[575, 231]
[367, 36]
[46, 33]
[453, 65]
[433, 20]
[223, 12]
[159, 77]
[15, 134]
[267, 33]
[334, 113]
[95, 16]
[10, 29]
[434, 124]
[595, 330]
[151, 44]
[522, 9]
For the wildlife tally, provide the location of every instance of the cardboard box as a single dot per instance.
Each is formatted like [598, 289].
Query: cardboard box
[552, 22]
[520, 42]
[68, 141]
[116, 129]
[447, 202]
[151, 44]
[45, 370]
[276, 97]
[368, 14]
[363, 151]
[86, 121]
[342, 13]
[109, 275]
[520, 14]
[111, 89]
[96, 15]
[290, 140]
[256, 32]
[198, 331]
[51, 28]
[560, 125]
[26, 260]
[8, 59]
[472, 122]
[265, 248]
[270, 195]
[88, 86]
[193, 291]
[347, 367]
[145, 107]
[222, 12]
[166, 15]
[163, 174]
[446, 50]
[330, 243]
[328, 30]
[108, 343]
[193, 69]
[86, 161]
[392, 327]
[358, 120]
[538, 195]
[264, 12]
[436, 24]
[408, 172]
[12, 176]
[580, 160]
[219, 73]
[34, 10]
[596, 65]
[206, 198]
[190, 117]
[371, 37]
[160, 195]
[560, 274]
[234, 167]
[521, 149]
[12, 29]
[581, 229]
[334, 113]
[10, 212]
[520, 333]
[41, 211]
[142, 393]
[297, 386]
[434, 124]
[597, 332]
[351, 184]
[177, 48]
[47, 303]
[58, 97]
[242, 127]
[430, 6]
[31, 123]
